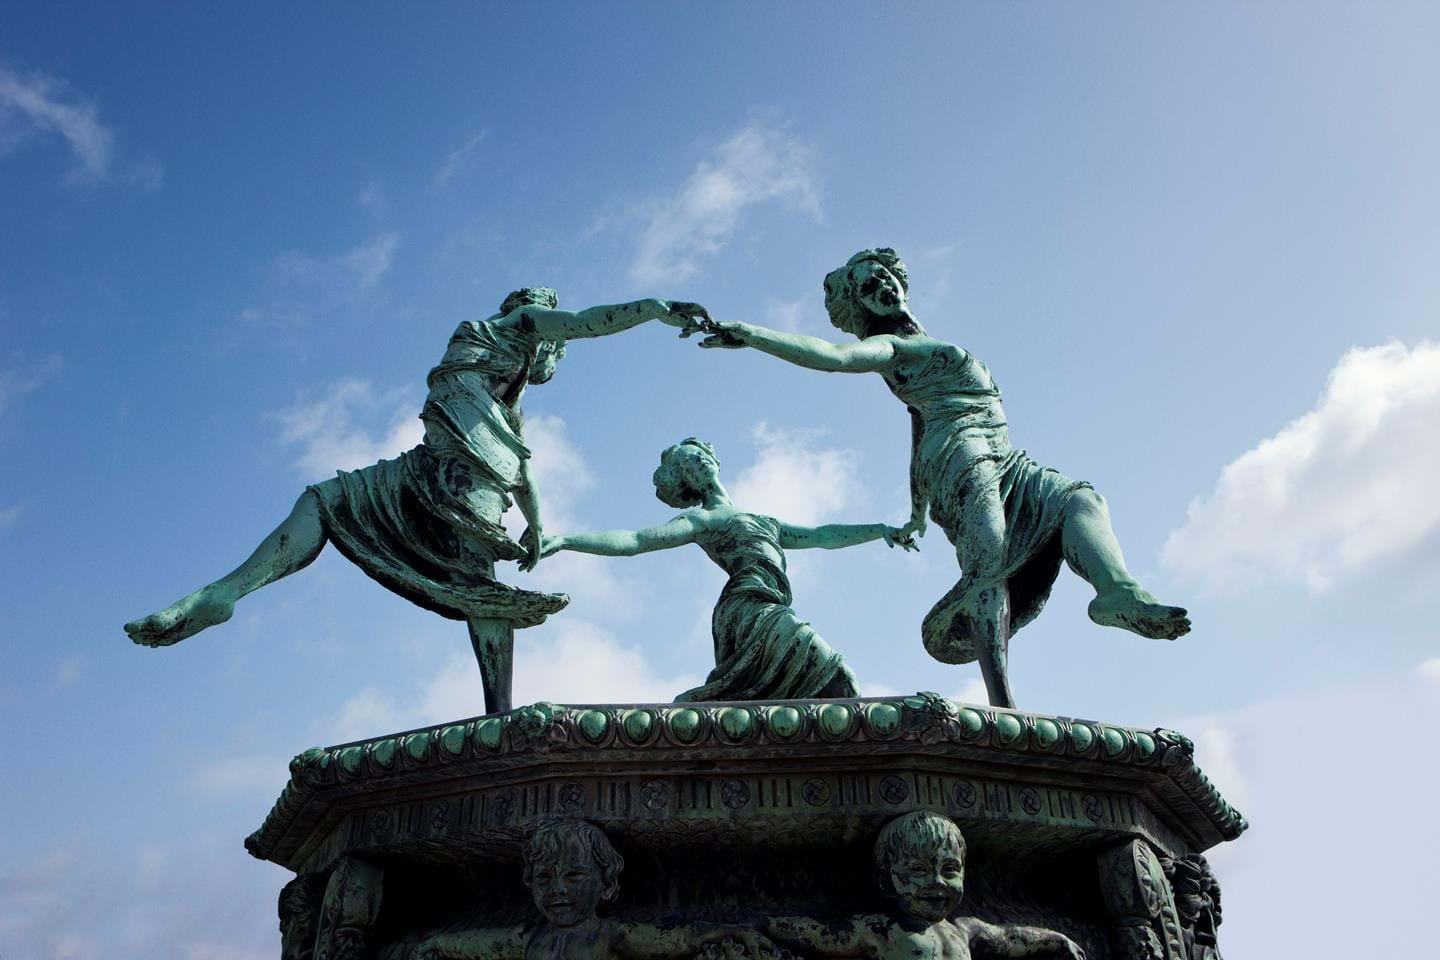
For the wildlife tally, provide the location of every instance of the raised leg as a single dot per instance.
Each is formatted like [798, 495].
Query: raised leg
[290, 547]
[1091, 550]
[494, 644]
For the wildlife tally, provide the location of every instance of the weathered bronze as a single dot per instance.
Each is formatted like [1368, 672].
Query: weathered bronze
[1011, 521]
[427, 524]
[763, 650]
[732, 817]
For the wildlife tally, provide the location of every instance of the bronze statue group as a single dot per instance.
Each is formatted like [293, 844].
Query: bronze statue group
[427, 523]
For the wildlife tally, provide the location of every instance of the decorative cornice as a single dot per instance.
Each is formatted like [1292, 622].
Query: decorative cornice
[924, 718]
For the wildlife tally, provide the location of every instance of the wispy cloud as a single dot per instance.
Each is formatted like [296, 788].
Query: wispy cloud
[348, 425]
[757, 165]
[300, 286]
[1337, 490]
[358, 268]
[8, 516]
[67, 671]
[454, 160]
[370, 261]
[14, 383]
[37, 104]
[262, 775]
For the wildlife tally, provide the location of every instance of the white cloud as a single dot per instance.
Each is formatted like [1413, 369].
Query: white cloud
[1331, 793]
[796, 480]
[561, 473]
[563, 661]
[454, 160]
[973, 692]
[757, 165]
[15, 383]
[350, 425]
[356, 269]
[1430, 670]
[67, 671]
[41, 104]
[1335, 491]
[793, 316]
[36, 104]
[263, 775]
[370, 261]
[595, 585]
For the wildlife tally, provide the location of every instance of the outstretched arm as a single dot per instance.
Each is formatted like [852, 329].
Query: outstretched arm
[642, 941]
[628, 543]
[505, 943]
[1011, 941]
[604, 320]
[834, 536]
[871, 355]
[855, 937]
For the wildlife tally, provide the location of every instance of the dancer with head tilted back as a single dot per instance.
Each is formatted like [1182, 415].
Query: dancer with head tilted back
[1011, 520]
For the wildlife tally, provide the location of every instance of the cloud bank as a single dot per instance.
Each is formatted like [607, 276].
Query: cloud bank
[1348, 484]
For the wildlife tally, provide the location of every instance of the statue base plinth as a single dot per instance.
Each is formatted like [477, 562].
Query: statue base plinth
[726, 812]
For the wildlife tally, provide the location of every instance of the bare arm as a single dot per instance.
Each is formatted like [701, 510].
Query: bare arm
[628, 543]
[1012, 941]
[919, 500]
[642, 941]
[527, 498]
[604, 320]
[835, 536]
[504, 943]
[855, 937]
[871, 355]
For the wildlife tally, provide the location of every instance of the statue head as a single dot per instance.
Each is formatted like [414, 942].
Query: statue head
[869, 295]
[920, 858]
[549, 352]
[685, 471]
[571, 868]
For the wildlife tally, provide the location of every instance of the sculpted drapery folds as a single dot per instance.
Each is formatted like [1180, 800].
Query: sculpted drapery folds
[427, 524]
[1010, 520]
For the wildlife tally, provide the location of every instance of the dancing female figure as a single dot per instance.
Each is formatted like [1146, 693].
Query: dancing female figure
[763, 650]
[426, 525]
[1010, 520]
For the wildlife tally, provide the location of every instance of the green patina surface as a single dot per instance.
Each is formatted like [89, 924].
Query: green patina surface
[598, 732]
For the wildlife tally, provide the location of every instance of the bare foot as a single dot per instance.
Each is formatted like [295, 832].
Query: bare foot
[183, 618]
[1134, 609]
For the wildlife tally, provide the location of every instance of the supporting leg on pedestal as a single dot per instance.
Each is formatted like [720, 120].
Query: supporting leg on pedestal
[494, 643]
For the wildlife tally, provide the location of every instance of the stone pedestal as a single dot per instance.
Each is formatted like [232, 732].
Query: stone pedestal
[728, 812]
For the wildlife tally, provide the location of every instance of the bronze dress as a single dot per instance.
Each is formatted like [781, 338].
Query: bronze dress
[763, 650]
[426, 524]
[966, 466]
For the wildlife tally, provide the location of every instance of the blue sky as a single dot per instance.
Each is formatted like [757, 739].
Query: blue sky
[1195, 245]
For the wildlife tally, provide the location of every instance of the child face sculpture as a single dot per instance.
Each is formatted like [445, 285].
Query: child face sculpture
[571, 868]
[929, 885]
[569, 889]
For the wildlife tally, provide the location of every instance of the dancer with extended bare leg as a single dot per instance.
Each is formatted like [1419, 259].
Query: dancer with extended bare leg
[427, 524]
[1011, 520]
